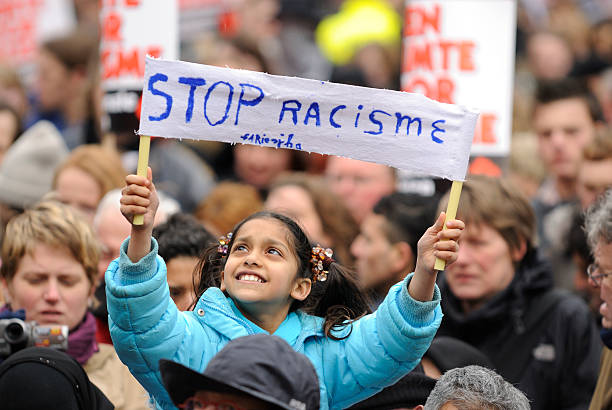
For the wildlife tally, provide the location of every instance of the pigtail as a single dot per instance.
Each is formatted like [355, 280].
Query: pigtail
[208, 271]
[338, 299]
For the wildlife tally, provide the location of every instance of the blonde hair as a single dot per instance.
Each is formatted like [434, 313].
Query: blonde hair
[101, 163]
[499, 204]
[53, 224]
[600, 148]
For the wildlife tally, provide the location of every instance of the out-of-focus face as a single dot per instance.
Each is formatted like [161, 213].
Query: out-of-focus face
[484, 266]
[111, 229]
[359, 184]
[80, 190]
[52, 287]
[53, 82]
[374, 255]
[563, 128]
[295, 202]
[180, 280]
[594, 178]
[8, 129]
[603, 259]
[258, 166]
[549, 56]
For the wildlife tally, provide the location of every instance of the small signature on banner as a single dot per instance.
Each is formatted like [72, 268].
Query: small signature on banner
[282, 141]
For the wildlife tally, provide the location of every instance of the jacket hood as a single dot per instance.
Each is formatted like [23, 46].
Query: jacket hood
[532, 277]
[216, 308]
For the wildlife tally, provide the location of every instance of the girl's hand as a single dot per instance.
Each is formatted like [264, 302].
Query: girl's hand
[139, 198]
[435, 243]
[439, 243]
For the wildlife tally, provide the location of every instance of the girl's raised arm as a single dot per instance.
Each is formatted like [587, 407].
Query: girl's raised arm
[139, 198]
[436, 242]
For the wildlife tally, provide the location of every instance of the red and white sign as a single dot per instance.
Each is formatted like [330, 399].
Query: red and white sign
[25, 23]
[462, 52]
[131, 29]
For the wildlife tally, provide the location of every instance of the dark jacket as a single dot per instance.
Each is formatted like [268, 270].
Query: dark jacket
[541, 339]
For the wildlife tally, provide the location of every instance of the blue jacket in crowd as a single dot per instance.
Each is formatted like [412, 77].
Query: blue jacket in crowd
[146, 326]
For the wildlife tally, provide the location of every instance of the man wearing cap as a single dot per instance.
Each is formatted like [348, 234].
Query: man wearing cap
[251, 372]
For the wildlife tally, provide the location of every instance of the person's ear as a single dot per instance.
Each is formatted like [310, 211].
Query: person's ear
[6, 290]
[222, 284]
[301, 288]
[419, 407]
[518, 253]
[402, 257]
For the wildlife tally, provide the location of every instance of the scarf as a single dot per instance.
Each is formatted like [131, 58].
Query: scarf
[82, 340]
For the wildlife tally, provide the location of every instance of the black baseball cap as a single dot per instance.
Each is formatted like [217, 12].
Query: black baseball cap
[261, 366]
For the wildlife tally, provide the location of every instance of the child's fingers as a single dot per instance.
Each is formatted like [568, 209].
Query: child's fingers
[450, 234]
[447, 256]
[133, 210]
[455, 224]
[439, 224]
[138, 190]
[451, 246]
[135, 200]
[137, 179]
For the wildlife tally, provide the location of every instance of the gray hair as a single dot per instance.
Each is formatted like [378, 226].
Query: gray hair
[168, 206]
[598, 221]
[475, 387]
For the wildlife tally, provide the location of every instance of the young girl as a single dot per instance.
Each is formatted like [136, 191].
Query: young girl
[265, 276]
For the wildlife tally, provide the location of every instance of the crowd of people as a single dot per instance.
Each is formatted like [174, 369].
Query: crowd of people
[271, 278]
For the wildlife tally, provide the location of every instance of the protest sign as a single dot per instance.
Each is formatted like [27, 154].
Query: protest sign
[131, 29]
[462, 51]
[24, 24]
[403, 130]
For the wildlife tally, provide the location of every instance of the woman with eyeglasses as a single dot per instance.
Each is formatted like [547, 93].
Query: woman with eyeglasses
[499, 297]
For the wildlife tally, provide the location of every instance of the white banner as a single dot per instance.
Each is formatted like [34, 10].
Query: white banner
[462, 52]
[403, 130]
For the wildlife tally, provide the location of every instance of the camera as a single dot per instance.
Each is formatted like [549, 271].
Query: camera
[17, 334]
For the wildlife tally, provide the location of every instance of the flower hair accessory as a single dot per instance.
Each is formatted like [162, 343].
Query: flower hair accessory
[223, 241]
[320, 262]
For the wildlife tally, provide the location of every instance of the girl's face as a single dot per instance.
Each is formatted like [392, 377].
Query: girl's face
[51, 286]
[261, 269]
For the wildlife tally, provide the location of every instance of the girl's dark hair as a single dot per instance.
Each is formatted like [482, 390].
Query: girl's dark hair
[337, 299]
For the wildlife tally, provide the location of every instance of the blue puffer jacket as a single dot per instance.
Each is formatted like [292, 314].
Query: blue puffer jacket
[146, 326]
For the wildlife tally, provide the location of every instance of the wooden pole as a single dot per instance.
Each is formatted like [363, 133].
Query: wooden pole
[451, 213]
[143, 164]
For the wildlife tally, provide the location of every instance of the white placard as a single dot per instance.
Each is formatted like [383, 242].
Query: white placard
[132, 29]
[462, 52]
[403, 130]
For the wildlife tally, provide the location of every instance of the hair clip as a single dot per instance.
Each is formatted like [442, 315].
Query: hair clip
[223, 242]
[320, 261]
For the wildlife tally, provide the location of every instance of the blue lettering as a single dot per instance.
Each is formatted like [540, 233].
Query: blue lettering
[250, 103]
[359, 107]
[227, 107]
[294, 110]
[298, 146]
[437, 129]
[314, 107]
[400, 120]
[333, 112]
[376, 122]
[152, 80]
[289, 144]
[193, 83]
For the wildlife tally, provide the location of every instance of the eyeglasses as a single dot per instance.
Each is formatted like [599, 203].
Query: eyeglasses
[597, 278]
[194, 404]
